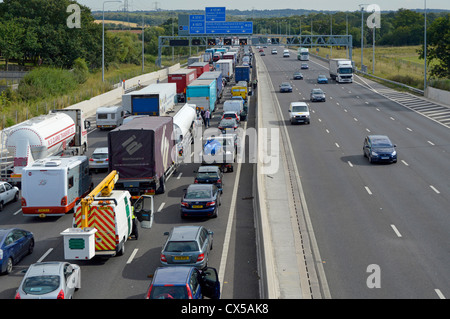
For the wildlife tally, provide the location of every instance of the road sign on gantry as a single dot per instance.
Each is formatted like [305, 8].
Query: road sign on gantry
[214, 14]
[229, 27]
[196, 24]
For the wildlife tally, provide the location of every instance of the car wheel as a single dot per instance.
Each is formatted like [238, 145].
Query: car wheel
[215, 213]
[16, 197]
[9, 265]
[1, 206]
[31, 247]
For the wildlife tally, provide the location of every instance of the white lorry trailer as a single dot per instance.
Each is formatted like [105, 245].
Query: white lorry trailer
[186, 127]
[155, 100]
[60, 131]
[341, 70]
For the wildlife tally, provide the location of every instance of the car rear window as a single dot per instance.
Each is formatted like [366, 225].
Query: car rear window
[168, 292]
[207, 175]
[99, 155]
[41, 285]
[198, 193]
[181, 246]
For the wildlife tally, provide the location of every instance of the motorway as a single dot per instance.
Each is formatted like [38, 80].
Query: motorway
[127, 276]
[382, 230]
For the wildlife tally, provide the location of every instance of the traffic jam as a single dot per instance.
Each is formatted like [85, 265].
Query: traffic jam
[50, 168]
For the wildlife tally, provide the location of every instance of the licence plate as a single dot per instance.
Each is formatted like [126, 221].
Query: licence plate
[99, 162]
[384, 157]
[197, 206]
[46, 210]
[181, 257]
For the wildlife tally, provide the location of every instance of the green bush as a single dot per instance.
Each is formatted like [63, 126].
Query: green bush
[45, 81]
[80, 70]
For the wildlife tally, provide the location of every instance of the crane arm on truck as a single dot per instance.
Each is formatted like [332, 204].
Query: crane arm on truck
[105, 187]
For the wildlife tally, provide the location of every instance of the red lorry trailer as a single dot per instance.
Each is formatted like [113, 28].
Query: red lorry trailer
[182, 78]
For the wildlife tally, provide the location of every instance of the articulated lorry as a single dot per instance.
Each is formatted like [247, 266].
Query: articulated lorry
[341, 70]
[142, 152]
[155, 100]
[182, 78]
[59, 132]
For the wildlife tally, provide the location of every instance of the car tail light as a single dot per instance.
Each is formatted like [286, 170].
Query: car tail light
[184, 204]
[208, 204]
[219, 181]
[91, 159]
[189, 292]
[163, 258]
[17, 296]
[64, 201]
[201, 257]
[195, 181]
[149, 292]
[23, 201]
[60, 295]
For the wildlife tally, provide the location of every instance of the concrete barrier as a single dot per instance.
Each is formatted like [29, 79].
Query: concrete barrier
[438, 95]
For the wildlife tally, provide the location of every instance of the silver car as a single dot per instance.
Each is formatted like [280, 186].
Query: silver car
[187, 246]
[50, 280]
[99, 159]
[7, 193]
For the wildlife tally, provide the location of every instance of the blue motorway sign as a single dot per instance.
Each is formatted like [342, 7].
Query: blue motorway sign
[215, 14]
[229, 27]
[197, 24]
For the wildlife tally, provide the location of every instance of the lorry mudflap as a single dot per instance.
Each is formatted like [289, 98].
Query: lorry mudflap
[101, 218]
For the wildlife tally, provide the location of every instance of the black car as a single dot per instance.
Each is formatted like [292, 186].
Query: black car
[201, 200]
[298, 76]
[210, 174]
[285, 87]
[379, 148]
[317, 95]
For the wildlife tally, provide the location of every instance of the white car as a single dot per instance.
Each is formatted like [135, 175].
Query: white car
[299, 113]
[99, 159]
[50, 280]
[7, 193]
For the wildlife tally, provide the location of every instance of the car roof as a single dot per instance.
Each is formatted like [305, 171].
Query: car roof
[379, 137]
[200, 186]
[171, 275]
[45, 268]
[101, 150]
[298, 103]
[182, 233]
[208, 168]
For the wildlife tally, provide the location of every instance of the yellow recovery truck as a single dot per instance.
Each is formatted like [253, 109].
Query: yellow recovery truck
[104, 221]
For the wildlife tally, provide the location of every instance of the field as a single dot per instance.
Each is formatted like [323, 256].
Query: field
[401, 64]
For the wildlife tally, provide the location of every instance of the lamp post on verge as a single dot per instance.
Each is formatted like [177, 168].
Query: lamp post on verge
[103, 39]
[425, 48]
[362, 33]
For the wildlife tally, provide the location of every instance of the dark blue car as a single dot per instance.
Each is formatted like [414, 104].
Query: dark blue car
[200, 200]
[182, 282]
[379, 148]
[14, 244]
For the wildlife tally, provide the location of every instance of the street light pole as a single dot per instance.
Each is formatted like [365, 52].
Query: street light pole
[425, 49]
[103, 39]
[362, 33]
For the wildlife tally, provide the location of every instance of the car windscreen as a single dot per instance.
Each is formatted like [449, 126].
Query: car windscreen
[169, 292]
[181, 246]
[381, 143]
[299, 108]
[198, 193]
[41, 285]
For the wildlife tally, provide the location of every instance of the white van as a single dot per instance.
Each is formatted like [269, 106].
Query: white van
[109, 116]
[299, 113]
[286, 54]
[234, 106]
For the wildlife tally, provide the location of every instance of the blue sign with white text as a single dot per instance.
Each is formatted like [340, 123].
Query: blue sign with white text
[215, 14]
[229, 27]
[196, 24]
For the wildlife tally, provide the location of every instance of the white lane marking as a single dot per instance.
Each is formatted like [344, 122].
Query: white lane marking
[435, 189]
[430, 142]
[17, 211]
[179, 175]
[440, 294]
[337, 145]
[45, 255]
[409, 129]
[405, 163]
[396, 231]
[368, 190]
[350, 163]
[161, 207]
[132, 256]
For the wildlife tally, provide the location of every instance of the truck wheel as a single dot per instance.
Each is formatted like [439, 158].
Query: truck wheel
[162, 185]
[121, 251]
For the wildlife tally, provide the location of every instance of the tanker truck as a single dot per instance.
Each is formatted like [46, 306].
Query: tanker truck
[58, 133]
[186, 128]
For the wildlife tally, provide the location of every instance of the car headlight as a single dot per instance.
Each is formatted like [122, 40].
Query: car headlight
[1, 254]
[394, 153]
[374, 153]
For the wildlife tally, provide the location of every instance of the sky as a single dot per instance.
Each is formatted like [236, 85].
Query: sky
[334, 5]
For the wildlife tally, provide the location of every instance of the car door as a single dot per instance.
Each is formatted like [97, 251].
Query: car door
[11, 248]
[70, 280]
[20, 243]
[209, 283]
[10, 192]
